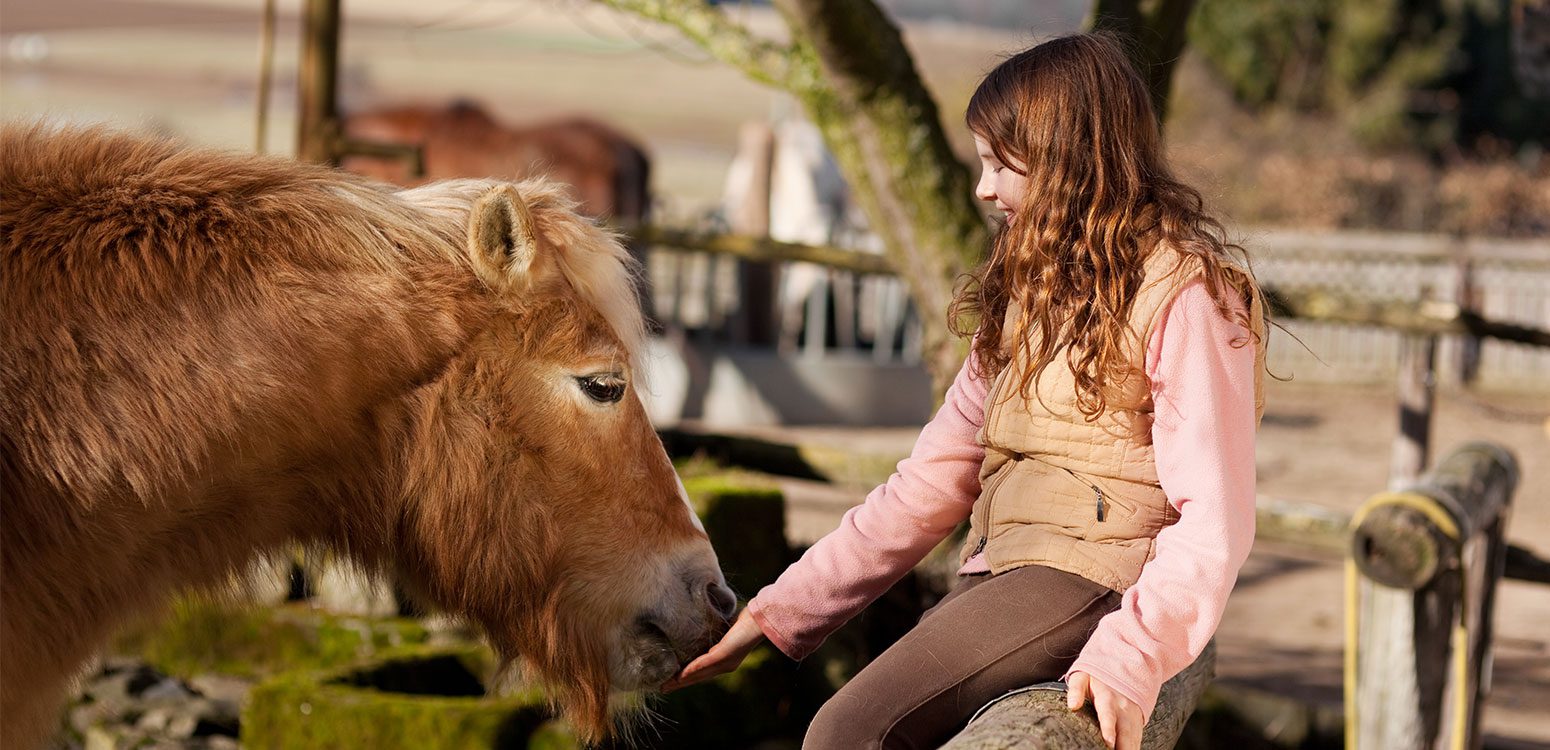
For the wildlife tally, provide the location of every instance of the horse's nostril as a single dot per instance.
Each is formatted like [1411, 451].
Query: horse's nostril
[721, 599]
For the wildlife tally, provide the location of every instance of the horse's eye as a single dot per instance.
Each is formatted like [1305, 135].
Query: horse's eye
[604, 389]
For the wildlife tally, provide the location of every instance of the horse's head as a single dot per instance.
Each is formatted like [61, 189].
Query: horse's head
[540, 501]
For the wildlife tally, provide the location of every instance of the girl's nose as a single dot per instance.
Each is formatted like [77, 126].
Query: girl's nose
[984, 190]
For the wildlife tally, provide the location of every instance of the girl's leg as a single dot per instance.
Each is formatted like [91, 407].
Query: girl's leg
[992, 635]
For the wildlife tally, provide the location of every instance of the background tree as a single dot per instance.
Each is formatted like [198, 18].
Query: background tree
[846, 62]
[1433, 74]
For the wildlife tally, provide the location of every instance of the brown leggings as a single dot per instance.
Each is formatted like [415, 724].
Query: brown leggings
[992, 634]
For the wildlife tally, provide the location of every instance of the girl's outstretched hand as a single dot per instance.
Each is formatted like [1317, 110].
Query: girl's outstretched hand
[1118, 717]
[722, 657]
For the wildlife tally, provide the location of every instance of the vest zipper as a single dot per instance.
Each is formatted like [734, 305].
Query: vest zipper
[989, 493]
[1097, 494]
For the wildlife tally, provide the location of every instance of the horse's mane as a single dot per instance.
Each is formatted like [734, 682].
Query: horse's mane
[132, 191]
[591, 257]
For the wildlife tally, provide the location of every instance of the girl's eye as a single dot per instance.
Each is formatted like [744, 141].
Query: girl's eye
[995, 170]
[604, 389]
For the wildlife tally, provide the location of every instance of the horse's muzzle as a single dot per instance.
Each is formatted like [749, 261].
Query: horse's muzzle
[676, 630]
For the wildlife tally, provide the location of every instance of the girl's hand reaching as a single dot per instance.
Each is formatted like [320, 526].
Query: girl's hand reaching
[1119, 718]
[722, 657]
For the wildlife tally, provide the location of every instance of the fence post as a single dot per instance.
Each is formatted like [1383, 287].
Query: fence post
[1420, 587]
[1416, 395]
[1467, 296]
[317, 81]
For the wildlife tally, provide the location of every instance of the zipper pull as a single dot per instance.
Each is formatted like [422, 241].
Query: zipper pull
[1099, 494]
[978, 548]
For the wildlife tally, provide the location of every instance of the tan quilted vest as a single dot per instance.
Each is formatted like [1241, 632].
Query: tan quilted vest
[1077, 496]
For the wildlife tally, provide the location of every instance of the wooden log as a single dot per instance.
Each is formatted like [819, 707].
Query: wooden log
[765, 249]
[1426, 318]
[1038, 719]
[1421, 580]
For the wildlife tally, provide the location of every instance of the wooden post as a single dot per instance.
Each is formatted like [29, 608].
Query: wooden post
[756, 280]
[1466, 294]
[318, 132]
[1038, 719]
[1421, 581]
[1417, 384]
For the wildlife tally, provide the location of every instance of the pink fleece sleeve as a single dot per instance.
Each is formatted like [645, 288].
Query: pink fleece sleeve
[1203, 434]
[878, 541]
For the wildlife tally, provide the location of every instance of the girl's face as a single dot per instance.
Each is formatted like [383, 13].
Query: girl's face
[1005, 185]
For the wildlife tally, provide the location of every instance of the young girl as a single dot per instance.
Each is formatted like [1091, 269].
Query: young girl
[1100, 437]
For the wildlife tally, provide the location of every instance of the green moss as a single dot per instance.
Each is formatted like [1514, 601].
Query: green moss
[554, 735]
[364, 706]
[745, 519]
[200, 636]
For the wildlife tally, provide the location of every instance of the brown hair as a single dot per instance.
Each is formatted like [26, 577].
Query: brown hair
[1101, 199]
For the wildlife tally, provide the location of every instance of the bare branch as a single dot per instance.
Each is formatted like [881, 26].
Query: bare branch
[709, 27]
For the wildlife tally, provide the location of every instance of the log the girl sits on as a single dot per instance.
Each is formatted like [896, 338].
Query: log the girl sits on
[1099, 438]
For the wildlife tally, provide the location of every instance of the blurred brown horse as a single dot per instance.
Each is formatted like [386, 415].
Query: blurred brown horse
[608, 173]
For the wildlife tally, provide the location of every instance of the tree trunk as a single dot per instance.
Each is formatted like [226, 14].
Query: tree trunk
[848, 65]
[1157, 35]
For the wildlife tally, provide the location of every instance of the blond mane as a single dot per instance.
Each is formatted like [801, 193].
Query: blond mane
[591, 257]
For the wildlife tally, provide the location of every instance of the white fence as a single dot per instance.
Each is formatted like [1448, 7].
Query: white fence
[1509, 281]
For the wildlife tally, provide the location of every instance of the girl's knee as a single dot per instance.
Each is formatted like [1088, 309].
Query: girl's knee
[842, 725]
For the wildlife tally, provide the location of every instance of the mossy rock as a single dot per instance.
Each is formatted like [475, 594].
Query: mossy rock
[416, 698]
[745, 518]
[436, 697]
[200, 636]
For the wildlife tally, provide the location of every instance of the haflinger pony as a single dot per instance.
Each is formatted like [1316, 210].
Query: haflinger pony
[205, 357]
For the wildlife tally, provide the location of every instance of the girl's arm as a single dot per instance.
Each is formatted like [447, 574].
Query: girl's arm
[878, 541]
[1203, 434]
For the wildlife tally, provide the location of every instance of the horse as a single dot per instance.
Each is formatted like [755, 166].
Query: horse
[609, 172]
[209, 357]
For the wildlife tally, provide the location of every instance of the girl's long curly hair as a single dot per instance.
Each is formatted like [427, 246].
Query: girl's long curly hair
[1100, 200]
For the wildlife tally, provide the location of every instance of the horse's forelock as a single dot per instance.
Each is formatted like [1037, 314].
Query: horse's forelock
[592, 258]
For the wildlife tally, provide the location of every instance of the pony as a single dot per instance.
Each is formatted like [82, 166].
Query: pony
[206, 357]
[608, 172]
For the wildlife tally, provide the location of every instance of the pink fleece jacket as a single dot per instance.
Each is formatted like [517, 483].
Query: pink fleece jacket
[1203, 434]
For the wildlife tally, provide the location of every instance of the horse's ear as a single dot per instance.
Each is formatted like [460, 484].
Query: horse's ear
[502, 240]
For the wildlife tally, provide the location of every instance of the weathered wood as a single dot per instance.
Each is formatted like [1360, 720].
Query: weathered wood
[265, 75]
[1424, 567]
[317, 114]
[1416, 394]
[1400, 548]
[1425, 318]
[1039, 719]
[765, 249]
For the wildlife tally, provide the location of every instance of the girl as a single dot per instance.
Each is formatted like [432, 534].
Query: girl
[1100, 437]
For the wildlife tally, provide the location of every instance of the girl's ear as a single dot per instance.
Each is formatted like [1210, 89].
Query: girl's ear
[502, 241]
